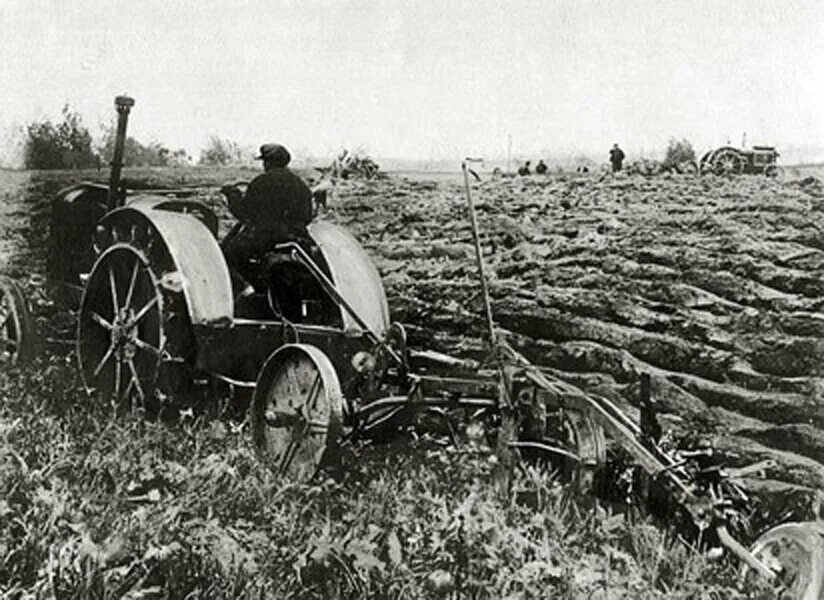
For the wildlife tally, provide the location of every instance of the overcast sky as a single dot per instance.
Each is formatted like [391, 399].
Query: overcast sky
[424, 79]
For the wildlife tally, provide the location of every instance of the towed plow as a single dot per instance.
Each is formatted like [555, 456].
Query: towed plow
[316, 355]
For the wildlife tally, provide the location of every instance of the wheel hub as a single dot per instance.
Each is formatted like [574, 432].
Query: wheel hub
[124, 330]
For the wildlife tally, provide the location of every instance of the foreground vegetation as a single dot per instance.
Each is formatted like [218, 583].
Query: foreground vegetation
[95, 505]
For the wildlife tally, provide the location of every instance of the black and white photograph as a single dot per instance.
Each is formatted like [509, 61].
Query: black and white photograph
[383, 299]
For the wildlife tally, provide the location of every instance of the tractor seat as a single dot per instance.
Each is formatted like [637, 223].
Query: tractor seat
[293, 292]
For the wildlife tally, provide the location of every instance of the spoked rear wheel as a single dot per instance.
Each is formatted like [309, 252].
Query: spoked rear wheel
[795, 553]
[727, 162]
[16, 329]
[296, 411]
[121, 336]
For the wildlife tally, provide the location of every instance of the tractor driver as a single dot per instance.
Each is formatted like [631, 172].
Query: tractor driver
[277, 207]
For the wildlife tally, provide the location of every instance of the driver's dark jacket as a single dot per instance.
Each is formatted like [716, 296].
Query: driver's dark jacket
[275, 200]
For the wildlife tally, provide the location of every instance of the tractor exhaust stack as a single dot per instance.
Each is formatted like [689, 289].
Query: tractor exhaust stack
[123, 104]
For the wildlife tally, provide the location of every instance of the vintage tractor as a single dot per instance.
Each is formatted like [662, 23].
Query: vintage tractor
[728, 160]
[316, 351]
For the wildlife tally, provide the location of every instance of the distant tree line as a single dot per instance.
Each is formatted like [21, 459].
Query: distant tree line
[67, 144]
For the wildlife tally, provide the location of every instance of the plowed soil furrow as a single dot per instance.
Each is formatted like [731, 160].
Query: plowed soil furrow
[712, 286]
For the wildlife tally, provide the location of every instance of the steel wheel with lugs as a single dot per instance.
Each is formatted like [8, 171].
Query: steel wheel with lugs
[296, 411]
[121, 335]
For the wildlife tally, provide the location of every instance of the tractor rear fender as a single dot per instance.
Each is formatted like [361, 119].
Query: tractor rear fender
[201, 270]
[180, 205]
[354, 275]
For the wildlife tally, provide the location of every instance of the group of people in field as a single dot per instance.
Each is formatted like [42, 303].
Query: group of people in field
[540, 168]
[616, 160]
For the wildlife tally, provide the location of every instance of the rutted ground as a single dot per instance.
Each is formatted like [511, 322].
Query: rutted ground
[713, 286]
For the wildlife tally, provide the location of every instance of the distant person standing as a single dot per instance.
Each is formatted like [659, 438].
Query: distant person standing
[616, 157]
[524, 169]
[541, 168]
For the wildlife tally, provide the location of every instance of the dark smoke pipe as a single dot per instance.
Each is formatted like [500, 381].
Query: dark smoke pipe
[123, 104]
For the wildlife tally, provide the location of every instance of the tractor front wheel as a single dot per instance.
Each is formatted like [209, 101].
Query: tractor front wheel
[773, 171]
[296, 411]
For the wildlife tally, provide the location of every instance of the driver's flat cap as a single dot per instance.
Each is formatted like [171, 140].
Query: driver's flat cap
[275, 153]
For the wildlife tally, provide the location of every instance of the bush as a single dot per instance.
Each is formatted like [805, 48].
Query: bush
[65, 145]
[678, 151]
[220, 152]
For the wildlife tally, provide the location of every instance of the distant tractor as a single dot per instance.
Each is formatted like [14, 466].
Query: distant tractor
[735, 161]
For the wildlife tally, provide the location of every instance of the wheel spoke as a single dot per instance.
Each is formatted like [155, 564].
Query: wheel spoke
[118, 379]
[103, 361]
[113, 286]
[312, 398]
[131, 285]
[128, 387]
[289, 455]
[146, 346]
[142, 312]
[100, 321]
[316, 428]
[136, 380]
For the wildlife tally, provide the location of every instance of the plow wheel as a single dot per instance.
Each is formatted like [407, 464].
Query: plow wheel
[296, 411]
[687, 167]
[795, 553]
[773, 171]
[727, 162]
[569, 440]
[16, 328]
[123, 328]
[585, 438]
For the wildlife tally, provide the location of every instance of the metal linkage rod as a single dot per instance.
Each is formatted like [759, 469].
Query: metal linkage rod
[478, 254]
[331, 289]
